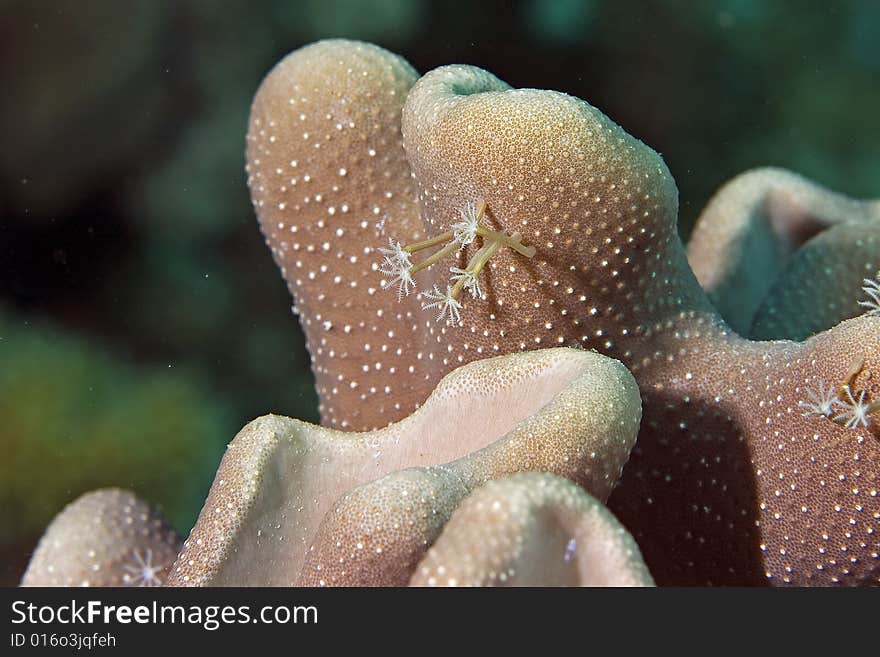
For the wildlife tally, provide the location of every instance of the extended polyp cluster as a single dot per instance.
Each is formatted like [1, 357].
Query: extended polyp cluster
[400, 269]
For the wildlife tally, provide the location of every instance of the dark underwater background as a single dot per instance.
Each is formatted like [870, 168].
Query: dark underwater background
[142, 321]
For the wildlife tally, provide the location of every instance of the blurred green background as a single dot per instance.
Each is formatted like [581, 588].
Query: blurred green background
[142, 321]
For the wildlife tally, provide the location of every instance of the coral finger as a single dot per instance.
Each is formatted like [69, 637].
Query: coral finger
[533, 530]
[108, 537]
[744, 236]
[330, 183]
[821, 284]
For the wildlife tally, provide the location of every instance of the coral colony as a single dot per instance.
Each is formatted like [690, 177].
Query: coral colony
[553, 357]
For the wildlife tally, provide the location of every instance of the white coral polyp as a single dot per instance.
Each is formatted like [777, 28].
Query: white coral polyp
[856, 413]
[465, 231]
[445, 304]
[396, 264]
